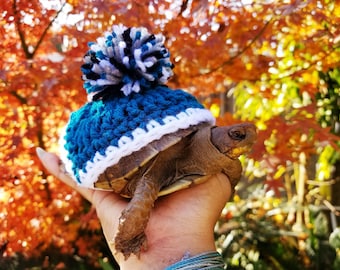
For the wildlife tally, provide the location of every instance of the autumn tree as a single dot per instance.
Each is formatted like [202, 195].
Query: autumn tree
[264, 59]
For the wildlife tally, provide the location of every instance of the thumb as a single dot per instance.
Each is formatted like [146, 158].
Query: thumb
[54, 165]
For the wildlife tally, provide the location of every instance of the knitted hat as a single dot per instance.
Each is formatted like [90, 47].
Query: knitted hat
[128, 104]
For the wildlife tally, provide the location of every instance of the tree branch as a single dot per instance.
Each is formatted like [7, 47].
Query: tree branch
[18, 27]
[231, 59]
[46, 30]
[28, 54]
[22, 99]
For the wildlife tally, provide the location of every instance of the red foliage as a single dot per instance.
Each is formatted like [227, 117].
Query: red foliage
[211, 44]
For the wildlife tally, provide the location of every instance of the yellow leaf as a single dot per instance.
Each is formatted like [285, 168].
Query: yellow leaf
[215, 110]
[280, 171]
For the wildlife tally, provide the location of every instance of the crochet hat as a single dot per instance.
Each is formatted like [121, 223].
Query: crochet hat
[128, 104]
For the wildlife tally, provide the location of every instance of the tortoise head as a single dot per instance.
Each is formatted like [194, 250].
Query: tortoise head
[234, 140]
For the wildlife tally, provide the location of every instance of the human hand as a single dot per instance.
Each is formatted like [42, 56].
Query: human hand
[180, 223]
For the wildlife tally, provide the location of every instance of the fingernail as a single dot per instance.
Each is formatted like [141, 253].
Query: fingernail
[40, 152]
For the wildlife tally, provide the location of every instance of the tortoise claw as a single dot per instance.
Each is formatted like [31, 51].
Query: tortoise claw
[131, 246]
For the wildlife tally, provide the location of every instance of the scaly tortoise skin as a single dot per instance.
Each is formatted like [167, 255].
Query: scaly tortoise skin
[174, 162]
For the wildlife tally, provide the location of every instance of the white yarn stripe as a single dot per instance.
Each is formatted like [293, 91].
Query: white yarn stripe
[191, 116]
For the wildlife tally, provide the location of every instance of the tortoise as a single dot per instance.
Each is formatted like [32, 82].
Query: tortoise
[140, 138]
[174, 162]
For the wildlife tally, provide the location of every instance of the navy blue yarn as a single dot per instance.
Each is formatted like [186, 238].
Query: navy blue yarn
[97, 125]
[132, 73]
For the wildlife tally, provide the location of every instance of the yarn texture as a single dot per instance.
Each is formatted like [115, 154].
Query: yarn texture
[129, 59]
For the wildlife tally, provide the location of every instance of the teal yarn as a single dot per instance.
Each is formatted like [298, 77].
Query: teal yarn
[129, 105]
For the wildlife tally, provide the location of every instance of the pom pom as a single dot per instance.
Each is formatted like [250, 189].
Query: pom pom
[127, 60]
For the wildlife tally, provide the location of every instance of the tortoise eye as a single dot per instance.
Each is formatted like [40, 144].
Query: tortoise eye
[237, 134]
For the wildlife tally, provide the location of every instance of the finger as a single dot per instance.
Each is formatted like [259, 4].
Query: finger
[54, 165]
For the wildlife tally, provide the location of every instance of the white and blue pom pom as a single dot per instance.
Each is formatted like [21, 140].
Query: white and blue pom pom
[126, 60]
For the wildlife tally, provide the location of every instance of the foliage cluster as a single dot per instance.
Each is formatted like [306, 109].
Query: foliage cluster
[274, 63]
[260, 232]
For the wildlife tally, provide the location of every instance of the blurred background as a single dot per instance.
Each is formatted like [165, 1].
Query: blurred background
[273, 63]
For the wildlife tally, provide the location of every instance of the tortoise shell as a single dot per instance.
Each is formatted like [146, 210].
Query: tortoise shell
[117, 177]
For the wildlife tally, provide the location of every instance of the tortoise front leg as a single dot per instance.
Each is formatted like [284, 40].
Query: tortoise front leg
[131, 237]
